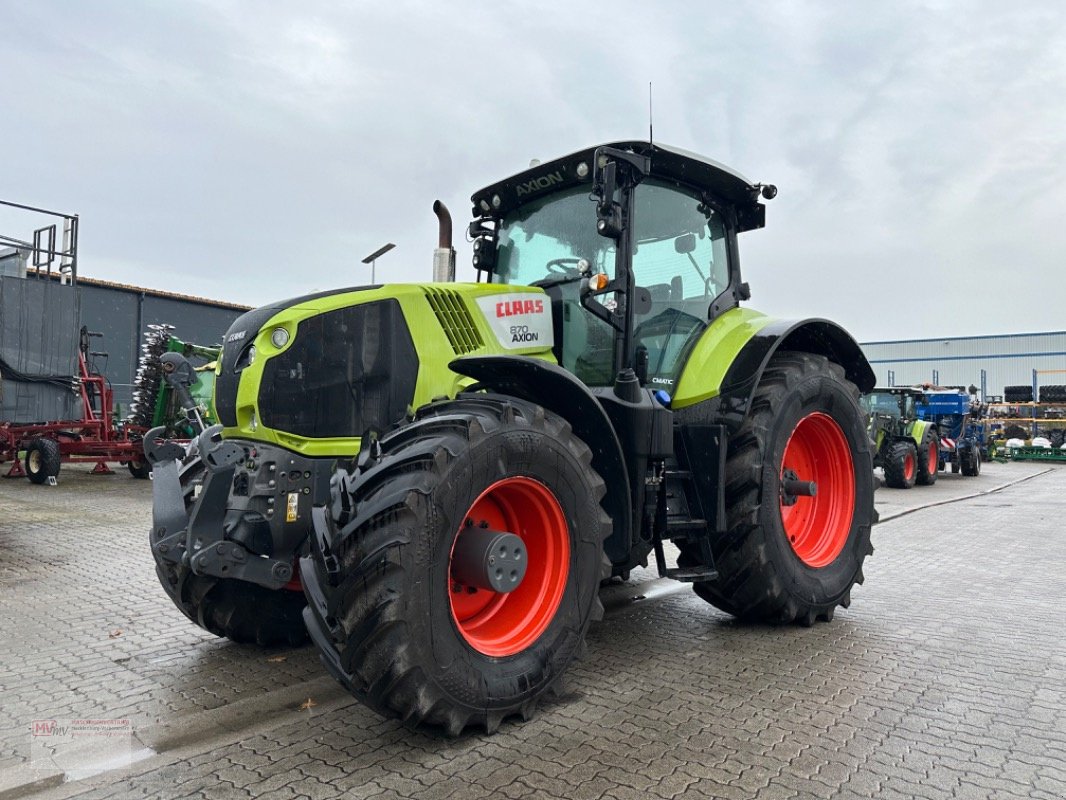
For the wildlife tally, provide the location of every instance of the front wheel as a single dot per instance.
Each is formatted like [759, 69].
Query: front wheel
[453, 580]
[793, 550]
[900, 464]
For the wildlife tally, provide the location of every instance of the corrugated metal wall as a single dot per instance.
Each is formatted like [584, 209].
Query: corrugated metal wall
[1007, 360]
[122, 316]
[38, 336]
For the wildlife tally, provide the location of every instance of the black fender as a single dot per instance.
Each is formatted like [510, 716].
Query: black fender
[817, 336]
[552, 387]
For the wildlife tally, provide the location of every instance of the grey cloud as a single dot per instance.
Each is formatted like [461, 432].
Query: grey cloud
[249, 151]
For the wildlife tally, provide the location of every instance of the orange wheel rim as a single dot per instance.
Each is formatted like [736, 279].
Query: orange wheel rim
[503, 624]
[817, 527]
[934, 458]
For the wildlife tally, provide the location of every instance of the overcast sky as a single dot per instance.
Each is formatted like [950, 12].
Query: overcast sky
[249, 151]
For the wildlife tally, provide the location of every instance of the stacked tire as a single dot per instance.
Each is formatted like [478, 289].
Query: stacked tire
[1018, 394]
[1055, 393]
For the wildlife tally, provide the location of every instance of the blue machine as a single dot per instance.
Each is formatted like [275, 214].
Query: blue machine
[962, 434]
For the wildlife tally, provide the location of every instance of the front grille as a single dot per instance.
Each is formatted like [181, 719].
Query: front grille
[346, 371]
[455, 319]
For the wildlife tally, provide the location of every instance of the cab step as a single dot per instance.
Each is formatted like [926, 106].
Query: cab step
[691, 574]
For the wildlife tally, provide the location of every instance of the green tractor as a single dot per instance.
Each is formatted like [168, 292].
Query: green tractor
[905, 447]
[448, 471]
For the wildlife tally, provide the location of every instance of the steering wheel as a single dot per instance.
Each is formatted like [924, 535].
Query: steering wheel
[563, 266]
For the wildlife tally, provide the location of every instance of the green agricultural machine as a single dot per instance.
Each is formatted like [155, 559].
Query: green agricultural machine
[432, 480]
[905, 447]
[154, 403]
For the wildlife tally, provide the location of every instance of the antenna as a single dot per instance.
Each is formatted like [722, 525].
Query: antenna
[651, 139]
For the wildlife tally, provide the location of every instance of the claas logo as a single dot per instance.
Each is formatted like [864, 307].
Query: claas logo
[513, 308]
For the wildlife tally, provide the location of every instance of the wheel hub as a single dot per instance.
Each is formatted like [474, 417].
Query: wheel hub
[488, 559]
[792, 488]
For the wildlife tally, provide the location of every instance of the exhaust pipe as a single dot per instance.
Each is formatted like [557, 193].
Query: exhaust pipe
[444, 255]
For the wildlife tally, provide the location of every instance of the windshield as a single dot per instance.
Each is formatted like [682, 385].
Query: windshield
[881, 403]
[546, 238]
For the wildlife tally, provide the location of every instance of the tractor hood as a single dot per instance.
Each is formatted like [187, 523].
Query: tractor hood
[314, 373]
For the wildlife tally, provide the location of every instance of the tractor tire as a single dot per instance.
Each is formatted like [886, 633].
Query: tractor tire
[955, 458]
[970, 460]
[928, 458]
[42, 459]
[141, 470]
[1016, 432]
[394, 618]
[1018, 394]
[1054, 393]
[901, 465]
[794, 559]
[243, 612]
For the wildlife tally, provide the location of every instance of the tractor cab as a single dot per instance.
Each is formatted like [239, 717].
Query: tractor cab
[634, 243]
[899, 403]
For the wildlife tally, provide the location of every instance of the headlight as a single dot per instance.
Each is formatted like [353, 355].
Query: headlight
[251, 355]
[279, 337]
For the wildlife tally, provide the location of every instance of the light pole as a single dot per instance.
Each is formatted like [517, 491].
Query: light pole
[373, 257]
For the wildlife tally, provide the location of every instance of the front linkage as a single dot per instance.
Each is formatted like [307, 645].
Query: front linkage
[225, 510]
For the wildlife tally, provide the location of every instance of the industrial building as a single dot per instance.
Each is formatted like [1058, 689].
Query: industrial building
[122, 313]
[987, 362]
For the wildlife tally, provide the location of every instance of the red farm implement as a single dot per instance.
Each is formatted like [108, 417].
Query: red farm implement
[36, 450]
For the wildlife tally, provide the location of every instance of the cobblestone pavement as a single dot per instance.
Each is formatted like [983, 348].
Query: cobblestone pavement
[944, 679]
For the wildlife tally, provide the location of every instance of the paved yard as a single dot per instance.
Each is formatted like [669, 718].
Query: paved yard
[946, 678]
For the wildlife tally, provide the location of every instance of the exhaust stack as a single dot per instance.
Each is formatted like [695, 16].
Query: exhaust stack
[444, 255]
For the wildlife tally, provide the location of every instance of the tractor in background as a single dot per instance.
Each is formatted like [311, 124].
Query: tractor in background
[906, 447]
[432, 480]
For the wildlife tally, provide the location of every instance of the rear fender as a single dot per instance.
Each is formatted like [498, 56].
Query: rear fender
[555, 389]
[730, 401]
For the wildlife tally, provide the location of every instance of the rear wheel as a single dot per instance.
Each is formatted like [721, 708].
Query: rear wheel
[901, 465]
[928, 458]
[43, 459]
[794, 557]
[418, 599]
[238, 610]
[970, 459]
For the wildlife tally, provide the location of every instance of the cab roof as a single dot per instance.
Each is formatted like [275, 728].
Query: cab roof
[667, 163]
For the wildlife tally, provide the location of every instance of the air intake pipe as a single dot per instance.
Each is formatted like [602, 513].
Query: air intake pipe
[444, 255]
